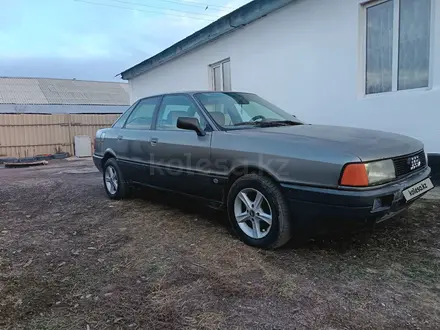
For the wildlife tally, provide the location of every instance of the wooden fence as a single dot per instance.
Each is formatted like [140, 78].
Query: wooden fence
[27, 135]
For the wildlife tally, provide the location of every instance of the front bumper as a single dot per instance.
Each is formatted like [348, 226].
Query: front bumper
[367, 205]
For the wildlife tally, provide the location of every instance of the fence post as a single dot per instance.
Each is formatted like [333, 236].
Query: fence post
[69, 118]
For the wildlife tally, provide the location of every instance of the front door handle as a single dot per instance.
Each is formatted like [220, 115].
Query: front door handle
[120, 137]
[153, 141]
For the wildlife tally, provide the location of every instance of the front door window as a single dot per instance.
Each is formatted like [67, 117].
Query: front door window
[173, 107]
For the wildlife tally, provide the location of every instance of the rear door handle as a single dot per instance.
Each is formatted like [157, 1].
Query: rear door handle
[120, 137]
[153, 141]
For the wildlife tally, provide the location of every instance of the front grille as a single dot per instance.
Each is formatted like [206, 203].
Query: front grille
[409, 163]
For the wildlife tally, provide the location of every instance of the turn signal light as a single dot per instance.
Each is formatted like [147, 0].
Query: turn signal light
[355, 175]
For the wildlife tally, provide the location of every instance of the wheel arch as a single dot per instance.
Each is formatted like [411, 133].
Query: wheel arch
[109, 153]
[242, 170]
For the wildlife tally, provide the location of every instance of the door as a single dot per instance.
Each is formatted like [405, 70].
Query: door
[134, 141]
[180, 159]
[110, 138]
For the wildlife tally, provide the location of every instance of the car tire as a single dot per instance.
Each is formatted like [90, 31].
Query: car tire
[252, 230]
[118, 188]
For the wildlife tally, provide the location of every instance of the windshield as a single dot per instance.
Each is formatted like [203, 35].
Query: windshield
[238, 110]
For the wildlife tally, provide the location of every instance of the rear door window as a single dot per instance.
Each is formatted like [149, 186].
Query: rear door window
[142, 116]
[119, 123]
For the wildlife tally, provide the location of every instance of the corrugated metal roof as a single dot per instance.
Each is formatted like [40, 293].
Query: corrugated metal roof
[62, 91]
[60, 108]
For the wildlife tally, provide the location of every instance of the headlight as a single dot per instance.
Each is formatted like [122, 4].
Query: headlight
[367, 174]
[381, 171]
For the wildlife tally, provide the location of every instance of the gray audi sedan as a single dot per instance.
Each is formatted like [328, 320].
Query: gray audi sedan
[270, 170]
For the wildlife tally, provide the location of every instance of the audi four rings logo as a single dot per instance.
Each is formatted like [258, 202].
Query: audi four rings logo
[414, 162]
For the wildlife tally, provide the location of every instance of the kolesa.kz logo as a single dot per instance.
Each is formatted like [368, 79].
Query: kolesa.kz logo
[418, 189]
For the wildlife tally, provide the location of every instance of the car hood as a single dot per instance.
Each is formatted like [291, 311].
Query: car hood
[364, 143]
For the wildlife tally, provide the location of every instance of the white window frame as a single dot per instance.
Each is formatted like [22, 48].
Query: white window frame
[364, 5]
[215, 65]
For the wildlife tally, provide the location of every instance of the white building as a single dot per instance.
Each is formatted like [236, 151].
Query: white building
[371, 64]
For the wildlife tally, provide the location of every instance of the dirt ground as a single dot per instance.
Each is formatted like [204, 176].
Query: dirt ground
[73, 259]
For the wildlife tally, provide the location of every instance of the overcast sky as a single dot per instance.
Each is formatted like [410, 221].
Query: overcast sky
[84, 40]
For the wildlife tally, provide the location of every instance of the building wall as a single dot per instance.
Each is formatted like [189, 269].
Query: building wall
[27, 135]
[306, 58]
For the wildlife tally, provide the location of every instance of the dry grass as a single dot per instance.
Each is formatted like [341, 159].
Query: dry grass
[72, 259]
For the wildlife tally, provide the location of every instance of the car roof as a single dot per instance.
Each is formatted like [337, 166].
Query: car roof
[190, 93]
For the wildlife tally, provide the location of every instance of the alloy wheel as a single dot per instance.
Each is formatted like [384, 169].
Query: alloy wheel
[253, 213]
[111, 180]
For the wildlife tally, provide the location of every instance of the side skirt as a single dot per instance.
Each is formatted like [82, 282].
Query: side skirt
[214, 204]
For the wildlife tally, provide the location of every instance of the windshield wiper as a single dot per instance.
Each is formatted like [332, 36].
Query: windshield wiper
[271, 123]
[254, 123]
[275, 123]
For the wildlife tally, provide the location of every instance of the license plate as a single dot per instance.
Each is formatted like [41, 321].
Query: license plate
[418, 189]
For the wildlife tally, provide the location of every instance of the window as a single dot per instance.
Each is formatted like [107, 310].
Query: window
[221, 76]
[218, 110]
[142, 116]
[241, 109]
[122, 118]
[173, 107]
[397, 45]
[414, 45]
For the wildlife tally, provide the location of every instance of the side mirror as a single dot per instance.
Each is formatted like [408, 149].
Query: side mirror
[190, 123]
